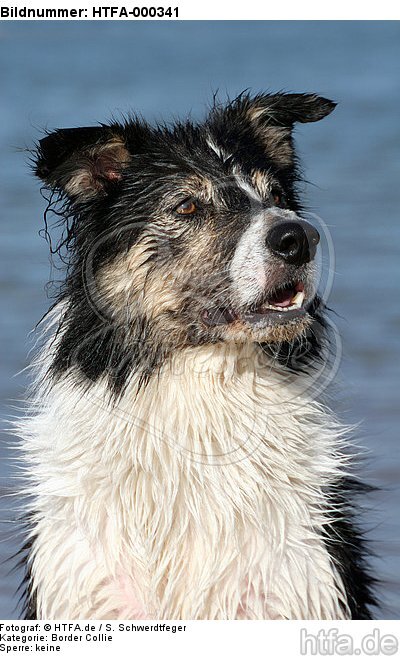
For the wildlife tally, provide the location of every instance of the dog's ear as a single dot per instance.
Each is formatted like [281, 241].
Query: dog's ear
[271, 117]
[285, 109]
[82, 162]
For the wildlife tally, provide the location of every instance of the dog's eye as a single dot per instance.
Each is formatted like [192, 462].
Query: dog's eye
[187, 207]
[278, 198]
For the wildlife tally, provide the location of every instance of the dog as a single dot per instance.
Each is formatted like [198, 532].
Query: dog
[179, 463]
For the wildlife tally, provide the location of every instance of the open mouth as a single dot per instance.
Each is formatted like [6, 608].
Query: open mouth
[284, 304]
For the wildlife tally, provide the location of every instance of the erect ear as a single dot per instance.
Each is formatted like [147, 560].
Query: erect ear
[82, 162]
[272, 117]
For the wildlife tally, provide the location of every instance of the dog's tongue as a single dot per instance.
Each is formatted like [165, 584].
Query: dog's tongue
[283, 298]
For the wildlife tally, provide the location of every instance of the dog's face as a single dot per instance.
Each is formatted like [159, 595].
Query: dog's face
[192, 230]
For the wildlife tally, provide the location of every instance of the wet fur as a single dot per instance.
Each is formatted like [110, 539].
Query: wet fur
[180, 472]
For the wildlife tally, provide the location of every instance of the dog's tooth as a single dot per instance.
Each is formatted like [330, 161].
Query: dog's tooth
[297, 302]
[298, 299]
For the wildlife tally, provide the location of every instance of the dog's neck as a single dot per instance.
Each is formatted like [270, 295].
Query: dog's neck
[213, 471]
[223, 397]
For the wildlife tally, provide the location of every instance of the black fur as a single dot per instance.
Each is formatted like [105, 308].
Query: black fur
[158, 159]
[348, 548]
[27, 601]
[107, 180]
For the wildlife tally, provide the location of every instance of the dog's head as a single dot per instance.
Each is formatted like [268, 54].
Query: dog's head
[187, 234]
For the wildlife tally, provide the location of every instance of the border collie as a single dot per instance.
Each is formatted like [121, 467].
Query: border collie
[179, 464]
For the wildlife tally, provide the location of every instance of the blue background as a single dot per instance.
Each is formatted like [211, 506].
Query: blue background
[63, 74]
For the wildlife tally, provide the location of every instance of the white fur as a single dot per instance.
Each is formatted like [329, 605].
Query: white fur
[251, 191]
[248, 268]
[220, 152]
[200, 497]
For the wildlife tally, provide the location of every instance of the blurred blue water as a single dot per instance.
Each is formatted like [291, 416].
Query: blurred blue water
[71, 74]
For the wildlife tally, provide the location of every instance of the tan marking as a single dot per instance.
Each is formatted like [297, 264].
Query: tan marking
[275, 138]
[261, 182]
[240, 332]
[81, 183]
[132, 286]
[91, 167]
[129, 284]
[277, 145]
[255, 113]
[203, 187]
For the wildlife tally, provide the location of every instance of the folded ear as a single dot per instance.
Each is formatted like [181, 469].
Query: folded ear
[272, 117]
[285, 109]
[82, 162]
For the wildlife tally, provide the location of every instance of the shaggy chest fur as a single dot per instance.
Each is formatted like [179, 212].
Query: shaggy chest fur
[202, 496]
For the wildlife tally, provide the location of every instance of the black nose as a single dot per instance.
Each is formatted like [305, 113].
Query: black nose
[293, 241]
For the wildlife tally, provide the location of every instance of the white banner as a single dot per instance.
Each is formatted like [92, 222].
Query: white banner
[358, 638]
[130, 10]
